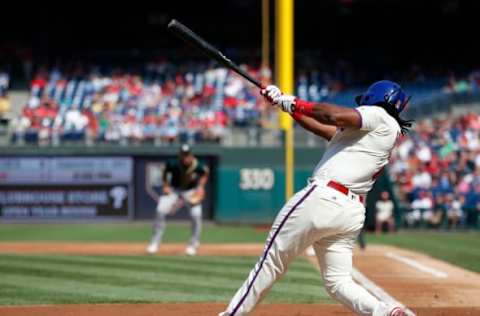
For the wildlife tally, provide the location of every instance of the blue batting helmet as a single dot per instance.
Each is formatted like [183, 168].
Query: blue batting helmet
[384, 91]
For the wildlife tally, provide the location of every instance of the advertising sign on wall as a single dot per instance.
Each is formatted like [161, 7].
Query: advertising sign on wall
[66, 187]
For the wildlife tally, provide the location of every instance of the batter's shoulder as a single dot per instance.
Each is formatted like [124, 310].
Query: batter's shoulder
[371, 110]
[376, 118]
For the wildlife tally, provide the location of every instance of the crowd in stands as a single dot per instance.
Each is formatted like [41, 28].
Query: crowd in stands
[166, 102]
[162, 102]
[437, 171]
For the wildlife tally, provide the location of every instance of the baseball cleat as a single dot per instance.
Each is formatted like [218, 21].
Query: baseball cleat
[152, 248]
[191, 250]
[397, 311]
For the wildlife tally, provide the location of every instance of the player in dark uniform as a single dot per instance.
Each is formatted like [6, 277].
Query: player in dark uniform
[184, 182]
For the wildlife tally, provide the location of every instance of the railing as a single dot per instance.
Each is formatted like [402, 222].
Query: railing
[232, 137]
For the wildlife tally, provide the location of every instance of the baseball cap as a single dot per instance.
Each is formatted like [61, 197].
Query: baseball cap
[185, 149]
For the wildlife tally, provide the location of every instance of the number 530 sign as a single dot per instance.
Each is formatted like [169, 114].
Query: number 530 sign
[256, 179]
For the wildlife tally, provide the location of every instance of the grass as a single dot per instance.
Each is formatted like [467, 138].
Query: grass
[31, 279]
[55, 279]
[458, 248]
[127, 232]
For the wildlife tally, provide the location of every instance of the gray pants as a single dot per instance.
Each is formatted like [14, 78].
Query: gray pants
[175, 202]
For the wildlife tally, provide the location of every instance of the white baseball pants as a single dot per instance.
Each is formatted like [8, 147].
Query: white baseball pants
[170, 204]
[329, 220]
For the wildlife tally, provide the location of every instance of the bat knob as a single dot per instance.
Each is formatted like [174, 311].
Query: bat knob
[172, 23]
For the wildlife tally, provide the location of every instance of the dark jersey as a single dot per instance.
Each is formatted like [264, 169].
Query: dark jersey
[182, 178]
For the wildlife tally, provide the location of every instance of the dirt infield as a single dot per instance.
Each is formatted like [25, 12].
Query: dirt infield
[77, 248]
[170, 310]
[428, 286]
[200, 309]
[419, 280]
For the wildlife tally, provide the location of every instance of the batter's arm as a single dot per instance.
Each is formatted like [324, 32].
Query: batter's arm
[329, 114]
[314, 126]
[323, 113]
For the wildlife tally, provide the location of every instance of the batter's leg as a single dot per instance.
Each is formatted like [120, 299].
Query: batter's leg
[289, 236]
[158, 230]
[334, 255]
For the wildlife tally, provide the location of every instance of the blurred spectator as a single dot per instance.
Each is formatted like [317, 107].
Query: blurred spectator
[458, 86]
[75, 121]
[422, 178]
[5, 106]
[472, 206]
[384, 213]
[435, 217]
[421, 209]
[454, 210]
[4, 82]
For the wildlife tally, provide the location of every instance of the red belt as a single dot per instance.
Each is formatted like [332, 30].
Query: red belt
[342, 189]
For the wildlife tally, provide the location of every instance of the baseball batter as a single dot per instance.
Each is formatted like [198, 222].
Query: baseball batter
[329, 212]
[184, 182]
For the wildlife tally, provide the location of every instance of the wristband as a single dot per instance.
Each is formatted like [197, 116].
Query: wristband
[304, 107]
[297, 115]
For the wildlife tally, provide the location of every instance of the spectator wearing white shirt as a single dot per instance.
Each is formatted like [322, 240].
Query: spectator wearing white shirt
[75, 121]
[422, 179]
[424, 153]
[384, 213]
[454, 210]
[423, 204]
[404, 149]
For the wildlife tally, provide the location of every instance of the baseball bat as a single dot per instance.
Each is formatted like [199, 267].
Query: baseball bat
[190, 37]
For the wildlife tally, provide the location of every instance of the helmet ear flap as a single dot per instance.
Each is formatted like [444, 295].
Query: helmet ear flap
[398, 99]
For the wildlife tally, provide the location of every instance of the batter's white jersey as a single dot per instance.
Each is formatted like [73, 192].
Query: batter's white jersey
[328, 219]
[355, 157]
